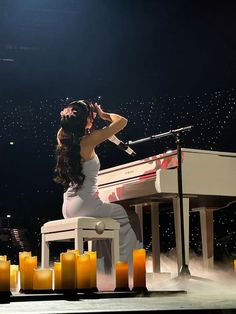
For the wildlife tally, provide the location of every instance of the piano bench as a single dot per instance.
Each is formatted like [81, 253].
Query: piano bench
[79, 230]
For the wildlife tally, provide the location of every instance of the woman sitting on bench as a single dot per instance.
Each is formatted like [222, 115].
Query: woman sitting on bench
[77, 166]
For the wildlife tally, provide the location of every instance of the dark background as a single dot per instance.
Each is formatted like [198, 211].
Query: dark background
[162, 64]
[116, 48]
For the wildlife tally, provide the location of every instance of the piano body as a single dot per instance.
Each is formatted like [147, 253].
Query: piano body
[208, 180]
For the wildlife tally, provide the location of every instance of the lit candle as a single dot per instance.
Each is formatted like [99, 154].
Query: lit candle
[14, 270]
[57, 276]
[3, 258]
[4, 276]
[30, 263]
[22, 255]
[74, 251]
[93, 269]
[235, 264]
[139, 269]
[122, 276]
[83, 272]
[42, 279]
[68, 278]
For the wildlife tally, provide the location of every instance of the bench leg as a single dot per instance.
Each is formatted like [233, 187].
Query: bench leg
[90, 245]
[79, 240]
[44, 253]
[115, 249]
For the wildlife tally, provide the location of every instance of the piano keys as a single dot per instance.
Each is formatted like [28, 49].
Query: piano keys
[208, 180]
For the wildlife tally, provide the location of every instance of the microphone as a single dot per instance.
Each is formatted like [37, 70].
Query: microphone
[121, 145]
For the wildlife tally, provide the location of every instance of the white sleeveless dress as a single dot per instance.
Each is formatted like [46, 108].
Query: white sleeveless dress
[86, 202]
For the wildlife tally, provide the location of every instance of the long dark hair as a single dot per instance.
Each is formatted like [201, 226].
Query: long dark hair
[74, 118]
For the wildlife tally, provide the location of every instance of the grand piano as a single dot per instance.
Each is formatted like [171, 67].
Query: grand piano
[208, 181]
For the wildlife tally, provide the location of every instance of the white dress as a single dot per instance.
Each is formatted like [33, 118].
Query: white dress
[86, 202]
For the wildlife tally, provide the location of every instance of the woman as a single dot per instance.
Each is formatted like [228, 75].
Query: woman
[77, 166]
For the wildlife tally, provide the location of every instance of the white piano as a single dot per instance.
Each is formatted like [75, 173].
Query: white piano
[208, 181]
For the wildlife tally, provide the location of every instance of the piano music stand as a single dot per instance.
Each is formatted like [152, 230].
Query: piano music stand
[184, 269]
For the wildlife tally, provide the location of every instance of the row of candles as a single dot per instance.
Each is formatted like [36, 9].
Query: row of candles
[75, 271]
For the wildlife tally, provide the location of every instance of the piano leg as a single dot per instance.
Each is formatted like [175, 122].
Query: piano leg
[176, 207]
[207, 234]
[139, 212]
[156, 258]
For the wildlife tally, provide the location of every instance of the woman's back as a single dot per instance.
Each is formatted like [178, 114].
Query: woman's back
[90, 170]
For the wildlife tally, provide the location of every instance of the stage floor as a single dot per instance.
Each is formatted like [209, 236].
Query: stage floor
[213, 292]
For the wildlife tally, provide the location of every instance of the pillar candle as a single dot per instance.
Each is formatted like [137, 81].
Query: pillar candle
[42, 279]
[68, 278]
[3, 258]
[30, 263]
[4, 276]
[122, 276]
[139, 269]
[14, 271]
[57, 275]
[74, 251]
[83, 271]
[93, 269]
[22, 255]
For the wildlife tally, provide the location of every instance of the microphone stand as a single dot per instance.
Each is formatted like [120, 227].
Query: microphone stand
[184, 269]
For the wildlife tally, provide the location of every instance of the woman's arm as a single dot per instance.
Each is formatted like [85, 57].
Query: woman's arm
[117, 124]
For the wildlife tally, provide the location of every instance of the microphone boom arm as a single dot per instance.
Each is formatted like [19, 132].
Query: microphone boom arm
[154, 137]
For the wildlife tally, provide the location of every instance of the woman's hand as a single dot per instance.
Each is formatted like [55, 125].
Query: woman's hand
[102, 115]
[117, 124]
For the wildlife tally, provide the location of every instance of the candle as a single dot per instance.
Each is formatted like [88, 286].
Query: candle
[235, 264]
[42, 279]
[57, 275]
[22, 255]
[3, 258]
[93, 269]
[4, 276]
[74, 251]
[14, 271]
[122, 276]
[68, 278]
[83, 272]
[30, 263]
[139, 269]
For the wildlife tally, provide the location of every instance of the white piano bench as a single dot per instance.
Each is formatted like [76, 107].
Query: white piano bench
[79, 230]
